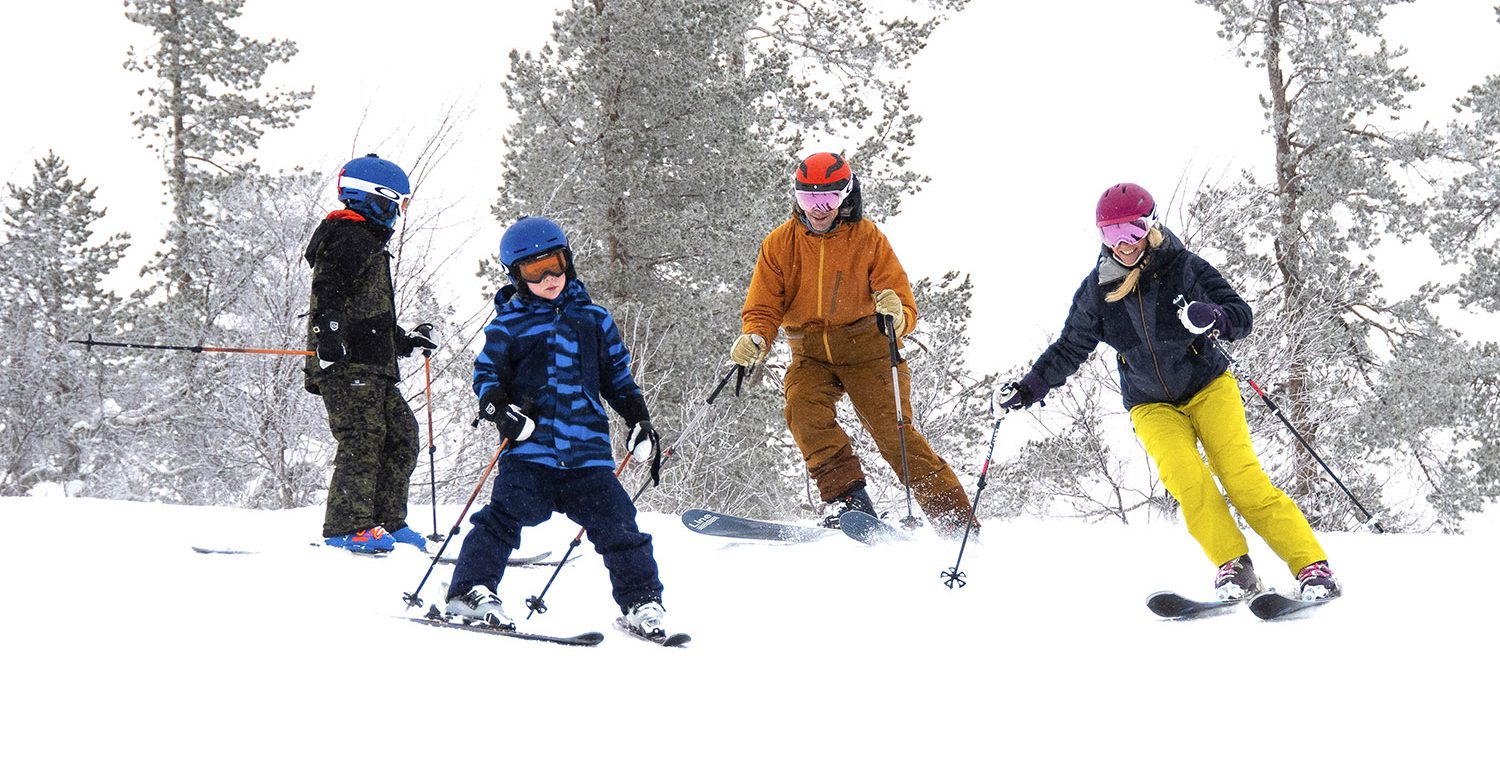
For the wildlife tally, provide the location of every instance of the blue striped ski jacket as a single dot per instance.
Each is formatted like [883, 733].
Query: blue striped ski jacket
[559, 361]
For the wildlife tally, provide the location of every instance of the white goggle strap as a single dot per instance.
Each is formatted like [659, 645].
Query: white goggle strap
[346, 181]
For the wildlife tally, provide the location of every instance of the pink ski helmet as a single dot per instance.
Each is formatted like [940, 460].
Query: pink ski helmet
[1124, 202]
[1125, 214]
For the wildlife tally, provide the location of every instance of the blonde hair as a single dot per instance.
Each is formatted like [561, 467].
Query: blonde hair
[1154, 239]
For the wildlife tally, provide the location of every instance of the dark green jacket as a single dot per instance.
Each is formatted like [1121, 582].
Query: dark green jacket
[352, 280]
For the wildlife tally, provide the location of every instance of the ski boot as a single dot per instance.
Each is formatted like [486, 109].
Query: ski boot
[856, 499]
[479, 604]
[372, 540]
[1236, 580]
[645, 618]
[1317, 581]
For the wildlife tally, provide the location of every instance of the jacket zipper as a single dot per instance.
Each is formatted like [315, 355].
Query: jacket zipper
[1146, 331]
[826, 347]
[552, 381]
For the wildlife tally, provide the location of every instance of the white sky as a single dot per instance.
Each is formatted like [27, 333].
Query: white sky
[1018, 100]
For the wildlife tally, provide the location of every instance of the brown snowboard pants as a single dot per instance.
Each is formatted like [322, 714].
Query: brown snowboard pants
[856, 360]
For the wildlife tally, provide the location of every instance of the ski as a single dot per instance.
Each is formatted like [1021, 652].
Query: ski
[870, 530]
[1169, 605]
[673, 640]
[1273, 605]
[536, 560]
[723, 525]
[435, 618]
[247, 552]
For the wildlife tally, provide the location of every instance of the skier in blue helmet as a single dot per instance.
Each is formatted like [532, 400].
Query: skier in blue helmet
[353, 333]
[551, 360]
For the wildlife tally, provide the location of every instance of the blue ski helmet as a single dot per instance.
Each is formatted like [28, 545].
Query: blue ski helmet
[375, 188]
[528, 237]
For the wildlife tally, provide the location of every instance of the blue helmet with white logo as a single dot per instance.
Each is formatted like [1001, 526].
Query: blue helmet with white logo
[375, 188]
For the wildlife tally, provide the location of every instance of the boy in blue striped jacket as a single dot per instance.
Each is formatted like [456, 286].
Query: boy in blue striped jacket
[551, 360]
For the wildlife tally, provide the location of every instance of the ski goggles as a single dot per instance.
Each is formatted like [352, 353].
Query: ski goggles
[1128, 233]
[390, 194]
[823, 201]
[550, 264]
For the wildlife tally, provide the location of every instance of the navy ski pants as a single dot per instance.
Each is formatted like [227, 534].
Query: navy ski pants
[527, 494]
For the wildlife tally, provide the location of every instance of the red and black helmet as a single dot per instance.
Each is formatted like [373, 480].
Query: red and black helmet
[824, 171]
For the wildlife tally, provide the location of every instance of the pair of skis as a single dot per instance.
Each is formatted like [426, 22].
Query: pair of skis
[854, 524]
[1268, 606]
[436, 618]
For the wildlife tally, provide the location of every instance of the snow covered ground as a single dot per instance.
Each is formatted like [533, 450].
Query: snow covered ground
[121, 639]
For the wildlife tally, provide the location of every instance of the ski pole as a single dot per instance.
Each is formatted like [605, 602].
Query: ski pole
[953, 576]
[537, 603]
[1214, 336]
[431, 448]
[693, 423]
[911, 521]
[91, 343]
[411, 598]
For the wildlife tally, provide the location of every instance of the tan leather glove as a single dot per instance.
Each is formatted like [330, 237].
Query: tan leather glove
[888, 303]
[747, 349]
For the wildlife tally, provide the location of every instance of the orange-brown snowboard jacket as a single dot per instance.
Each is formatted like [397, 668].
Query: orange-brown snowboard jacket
[811, 282]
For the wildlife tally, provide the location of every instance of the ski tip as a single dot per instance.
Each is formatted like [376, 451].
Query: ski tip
[1272, 605]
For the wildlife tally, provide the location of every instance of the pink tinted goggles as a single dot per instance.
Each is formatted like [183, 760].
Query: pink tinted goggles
[1124, 232]
[822, 201]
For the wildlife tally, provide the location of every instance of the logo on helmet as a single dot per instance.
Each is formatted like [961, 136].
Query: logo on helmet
[824, 171]
[375, 188]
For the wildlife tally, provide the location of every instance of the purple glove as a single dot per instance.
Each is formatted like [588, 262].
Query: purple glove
[1021, 394]
[1201, 316]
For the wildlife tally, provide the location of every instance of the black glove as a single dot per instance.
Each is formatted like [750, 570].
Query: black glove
[1020, 394]
[417, 338]
[642, 440]
[328, 335]
[512, 424]
[421, 338]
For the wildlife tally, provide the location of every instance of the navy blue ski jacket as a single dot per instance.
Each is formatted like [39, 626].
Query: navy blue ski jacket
[559, 361]
[1158, 359]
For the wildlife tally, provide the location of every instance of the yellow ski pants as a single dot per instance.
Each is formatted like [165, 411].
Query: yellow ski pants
[1215, 416]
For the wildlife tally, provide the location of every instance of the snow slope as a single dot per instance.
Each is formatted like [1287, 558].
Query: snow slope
[122, 639]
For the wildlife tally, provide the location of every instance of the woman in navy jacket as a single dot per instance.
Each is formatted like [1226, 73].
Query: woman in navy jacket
[1160, 307]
